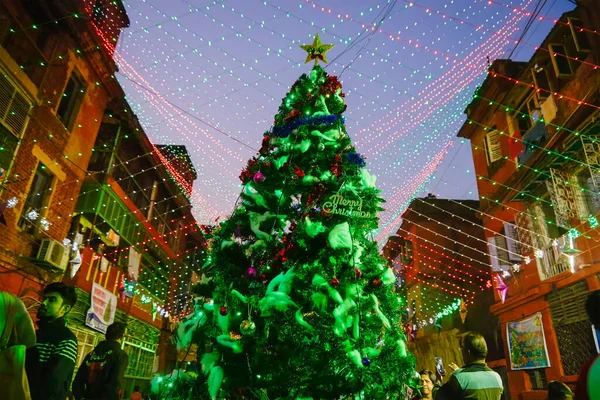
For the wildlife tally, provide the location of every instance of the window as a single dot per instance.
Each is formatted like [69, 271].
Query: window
[582, 43]
[513, 246]
[562, 65]
[86, 341]
[14, 107]
[70, 101]
[8, 148]
[37, 199]
[141, 358]
[493, 150]
[537, 378]
[523, 122]
[173, 239]
[406, 252]
[541, 81]
[591, 193]
[572, 326]
[498, 252]
[552, 262]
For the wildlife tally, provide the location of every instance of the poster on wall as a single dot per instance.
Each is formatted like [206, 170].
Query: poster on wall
[527, 343]
[102, 311]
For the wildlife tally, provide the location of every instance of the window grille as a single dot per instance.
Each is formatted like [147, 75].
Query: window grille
[141, 358]
[572, 326]
[86, 341]
[538, 380]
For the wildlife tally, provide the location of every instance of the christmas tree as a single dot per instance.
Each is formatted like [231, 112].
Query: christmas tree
[303, 302]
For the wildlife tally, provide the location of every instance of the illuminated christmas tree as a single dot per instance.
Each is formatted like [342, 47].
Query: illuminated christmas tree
[303, 301]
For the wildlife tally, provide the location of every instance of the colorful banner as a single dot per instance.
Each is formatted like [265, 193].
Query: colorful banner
[102, 312]
[527, 343]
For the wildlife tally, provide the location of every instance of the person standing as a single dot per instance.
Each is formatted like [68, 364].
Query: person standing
[100, 376]
[588, 386]
[559, 391]
[475, 380]
[136, 395]
[17, 335]
[50, 363]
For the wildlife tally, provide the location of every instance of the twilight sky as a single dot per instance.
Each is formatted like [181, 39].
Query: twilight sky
[210, 75]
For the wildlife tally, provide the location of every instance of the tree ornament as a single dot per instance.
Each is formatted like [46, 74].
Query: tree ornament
[247, 327]
[334, 282]
[223, 311]
[336, 166]
[358, 273]
[376, 283]
[258, 177]
[252, 272]
[298, 172]
[366, 361]
[265, 144]
[316, 51]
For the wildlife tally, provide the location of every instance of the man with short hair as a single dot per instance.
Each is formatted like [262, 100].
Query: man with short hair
[475, 380]
[100, 376]
[588, 386]
[50, 363]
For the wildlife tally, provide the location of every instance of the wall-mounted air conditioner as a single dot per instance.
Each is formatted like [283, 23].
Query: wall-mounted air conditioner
[53, 253]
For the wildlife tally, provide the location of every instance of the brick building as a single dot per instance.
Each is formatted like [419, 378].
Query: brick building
[55, 83]
[97, 204]
[440, 253]
[533, 128]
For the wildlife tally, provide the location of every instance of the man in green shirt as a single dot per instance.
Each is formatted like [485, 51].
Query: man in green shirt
[475, 380]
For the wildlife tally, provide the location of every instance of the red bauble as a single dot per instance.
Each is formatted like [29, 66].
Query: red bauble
[334, 282]
[298, 172]
[293, 114]
[376, 283]
[223, 311]
[358, 273]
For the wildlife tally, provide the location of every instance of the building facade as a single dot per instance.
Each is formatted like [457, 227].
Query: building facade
[85, 197]
[533, 128]
[440, 255]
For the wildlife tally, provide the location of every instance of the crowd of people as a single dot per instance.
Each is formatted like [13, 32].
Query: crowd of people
[479, 382]
[39, 364]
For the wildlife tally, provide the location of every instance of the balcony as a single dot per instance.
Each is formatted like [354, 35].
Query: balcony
[552, 262]
[533, 140]
[100, 200]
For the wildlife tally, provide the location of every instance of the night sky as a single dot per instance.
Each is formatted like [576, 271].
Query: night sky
[211, 74]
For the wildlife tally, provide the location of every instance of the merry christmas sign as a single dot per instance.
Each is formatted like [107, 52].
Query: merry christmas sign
[102, 311]
[351, 207]
[527, 343]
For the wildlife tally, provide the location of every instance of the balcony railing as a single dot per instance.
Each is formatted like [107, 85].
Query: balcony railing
[533, 140]
[551, 263]
[100, 200]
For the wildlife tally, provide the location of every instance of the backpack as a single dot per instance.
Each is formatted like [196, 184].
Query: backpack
[13, 379]
[97, 370]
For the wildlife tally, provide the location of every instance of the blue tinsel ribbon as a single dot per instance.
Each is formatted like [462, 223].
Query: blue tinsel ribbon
[355, 158]
[285, 130]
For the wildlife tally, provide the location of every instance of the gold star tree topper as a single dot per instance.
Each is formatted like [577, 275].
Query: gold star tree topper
[317, 51]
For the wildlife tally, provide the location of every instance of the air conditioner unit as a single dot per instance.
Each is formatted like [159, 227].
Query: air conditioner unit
[54, 254]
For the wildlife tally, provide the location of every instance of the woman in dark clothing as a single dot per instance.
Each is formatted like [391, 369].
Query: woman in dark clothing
[429, 383]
